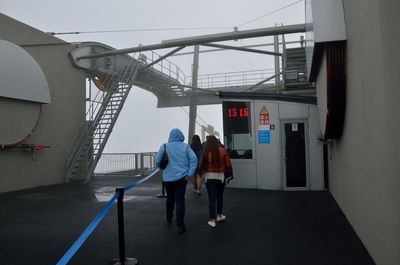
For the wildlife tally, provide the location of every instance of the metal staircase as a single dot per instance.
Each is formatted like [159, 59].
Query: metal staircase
[102, 115]
[296, 69]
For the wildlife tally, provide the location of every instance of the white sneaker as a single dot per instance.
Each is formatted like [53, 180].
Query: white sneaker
[212, 223]
[221, 217]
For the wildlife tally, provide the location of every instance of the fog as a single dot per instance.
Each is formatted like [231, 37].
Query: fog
[141, 126]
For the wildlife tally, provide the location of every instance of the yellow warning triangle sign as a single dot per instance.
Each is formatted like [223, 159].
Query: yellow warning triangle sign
[264, 111]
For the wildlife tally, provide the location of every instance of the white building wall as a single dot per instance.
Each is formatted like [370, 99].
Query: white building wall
[268, 156]
[316, 151]
[265, 171]
[364, 169]
[245, 173]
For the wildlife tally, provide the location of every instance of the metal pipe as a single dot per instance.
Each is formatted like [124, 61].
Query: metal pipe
[198, 40]
[277, 67]
[241, 49]
[284, 59]
[163, 57]
[193, 101]
[247, 46]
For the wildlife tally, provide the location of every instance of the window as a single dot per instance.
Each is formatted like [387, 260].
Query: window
[237, 129]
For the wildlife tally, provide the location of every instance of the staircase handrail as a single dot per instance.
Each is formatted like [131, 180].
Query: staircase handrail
[165, 67]
[81, 133]
[83, 130]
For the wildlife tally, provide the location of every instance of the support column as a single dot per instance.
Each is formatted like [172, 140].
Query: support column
[284, 56]
[193, 101]
[277, 66]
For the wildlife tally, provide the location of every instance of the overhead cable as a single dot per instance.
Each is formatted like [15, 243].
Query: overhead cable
[269, 13]
[132, 30]
[170, 29]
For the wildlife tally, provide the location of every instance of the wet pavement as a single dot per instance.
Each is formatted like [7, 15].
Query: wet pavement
[37, 226]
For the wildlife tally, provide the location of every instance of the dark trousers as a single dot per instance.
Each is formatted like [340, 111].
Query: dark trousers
[215, 190]
[176, 195]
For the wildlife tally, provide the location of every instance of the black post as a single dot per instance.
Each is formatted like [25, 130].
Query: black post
[121, 231]
[121, 228]
[162, 195]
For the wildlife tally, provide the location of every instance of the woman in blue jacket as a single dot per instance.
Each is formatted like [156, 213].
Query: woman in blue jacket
[182, 164]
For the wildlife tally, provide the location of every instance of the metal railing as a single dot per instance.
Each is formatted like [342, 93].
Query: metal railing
[166, 67]
[125, 163]
[232, 79]
[218, 80]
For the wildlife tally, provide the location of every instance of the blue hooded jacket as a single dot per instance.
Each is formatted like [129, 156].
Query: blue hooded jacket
[182, 161]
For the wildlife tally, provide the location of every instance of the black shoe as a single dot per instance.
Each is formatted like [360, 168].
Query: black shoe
[181, 229]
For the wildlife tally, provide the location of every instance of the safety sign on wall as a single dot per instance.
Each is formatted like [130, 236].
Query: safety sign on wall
[264, 136]
[264, 116]
[264, 132]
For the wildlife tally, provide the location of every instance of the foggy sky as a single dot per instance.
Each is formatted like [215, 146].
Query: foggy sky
[142, 127]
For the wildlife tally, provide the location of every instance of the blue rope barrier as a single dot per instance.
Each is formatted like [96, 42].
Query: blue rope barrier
[90, 228]
[126, 188]
[86, 233]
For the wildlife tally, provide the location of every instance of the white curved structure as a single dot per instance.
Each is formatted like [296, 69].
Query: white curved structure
[21, 76]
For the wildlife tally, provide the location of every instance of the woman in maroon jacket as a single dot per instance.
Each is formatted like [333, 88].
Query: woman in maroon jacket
[213, 163]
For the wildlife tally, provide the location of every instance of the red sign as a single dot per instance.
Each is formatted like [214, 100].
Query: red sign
[264, 116]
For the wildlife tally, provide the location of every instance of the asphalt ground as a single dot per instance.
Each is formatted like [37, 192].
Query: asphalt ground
[37, 226]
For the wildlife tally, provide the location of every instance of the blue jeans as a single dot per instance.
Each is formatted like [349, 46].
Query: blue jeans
[215, 190]
[176, 195]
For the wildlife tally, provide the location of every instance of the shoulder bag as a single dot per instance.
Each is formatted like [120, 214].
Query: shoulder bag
[164, 159]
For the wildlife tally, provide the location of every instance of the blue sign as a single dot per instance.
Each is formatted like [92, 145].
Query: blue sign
[264, 136]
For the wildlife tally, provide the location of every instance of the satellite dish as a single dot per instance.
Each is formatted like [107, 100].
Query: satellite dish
[19, 119]
[21, 76]
[23, 90]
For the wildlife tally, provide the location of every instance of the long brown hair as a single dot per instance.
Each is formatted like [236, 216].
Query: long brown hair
[196, 142]
[212, 146]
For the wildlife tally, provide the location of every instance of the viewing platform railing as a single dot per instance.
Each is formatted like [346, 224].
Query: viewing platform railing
[125, 163]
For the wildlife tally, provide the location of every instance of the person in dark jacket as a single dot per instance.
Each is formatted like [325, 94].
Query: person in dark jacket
[182, 165]
[197, 148]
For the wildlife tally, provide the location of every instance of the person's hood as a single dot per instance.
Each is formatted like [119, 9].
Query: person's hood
[176, 136]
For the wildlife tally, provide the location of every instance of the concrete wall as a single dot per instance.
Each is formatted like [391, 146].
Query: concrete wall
[59, 120]
[364, 167]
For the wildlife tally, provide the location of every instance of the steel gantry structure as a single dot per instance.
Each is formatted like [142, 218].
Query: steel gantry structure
[115, 71]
